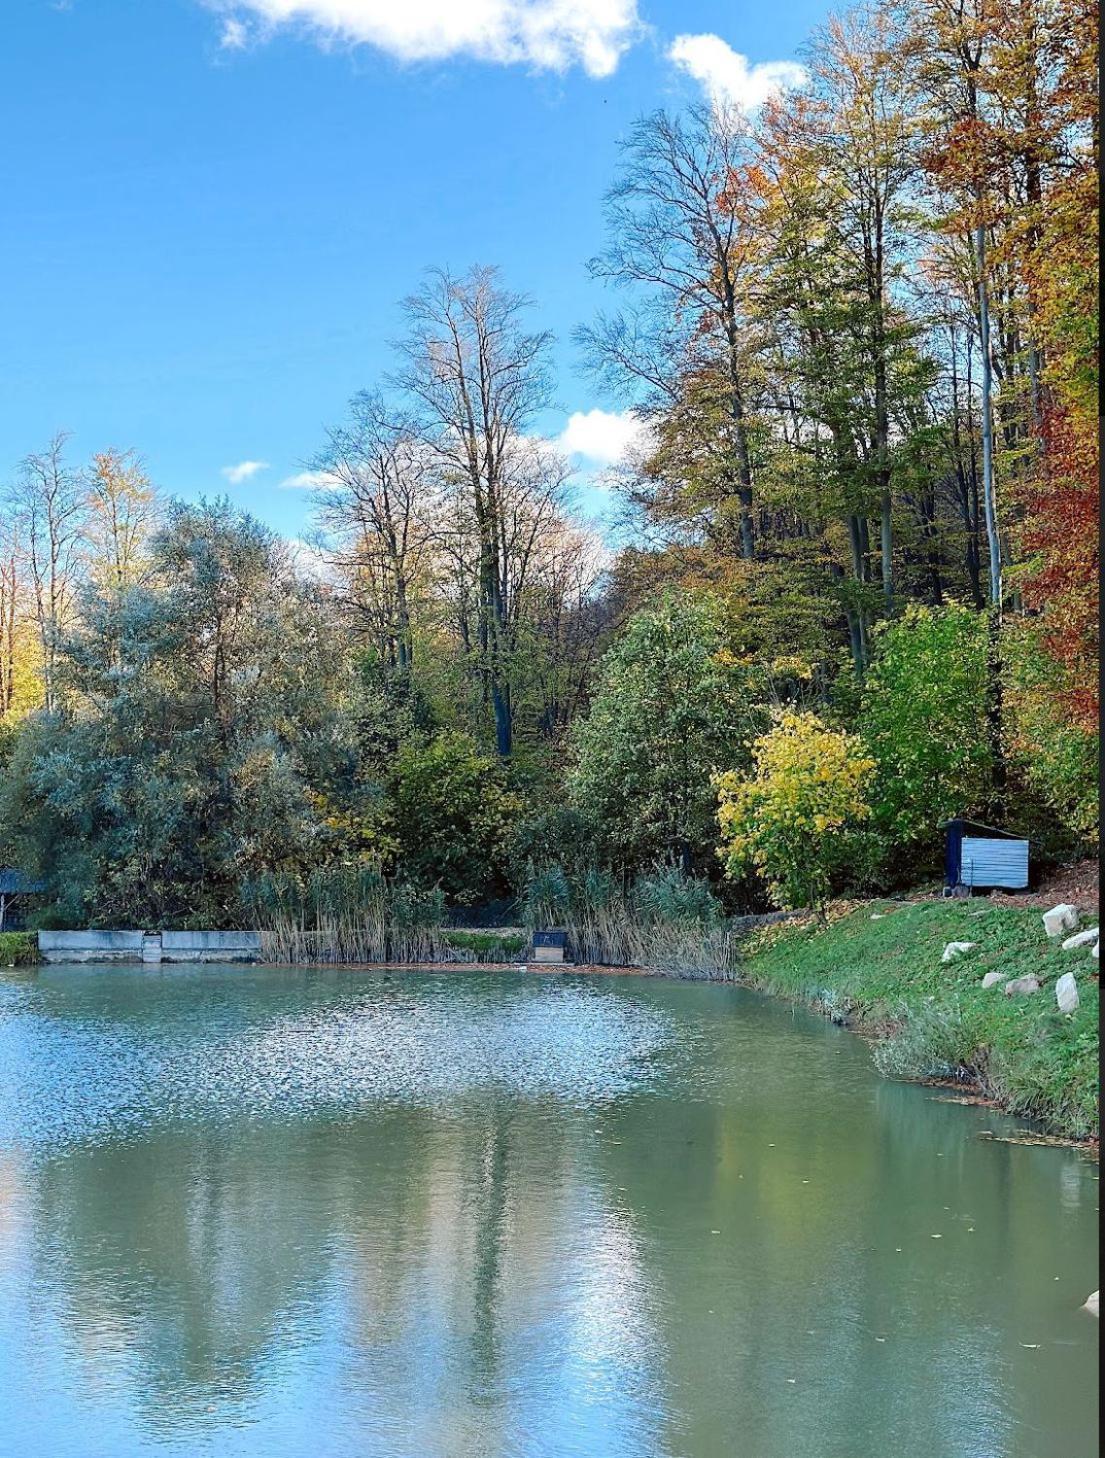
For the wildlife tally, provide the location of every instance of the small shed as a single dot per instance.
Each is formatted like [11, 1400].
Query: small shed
[549, 946]
[16, 894]
[981, 857]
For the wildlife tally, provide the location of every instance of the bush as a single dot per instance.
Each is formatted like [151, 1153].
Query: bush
[793, 818]
[487, 946]
[18, 949]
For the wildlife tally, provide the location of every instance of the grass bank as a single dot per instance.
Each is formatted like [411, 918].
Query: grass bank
[877, 968]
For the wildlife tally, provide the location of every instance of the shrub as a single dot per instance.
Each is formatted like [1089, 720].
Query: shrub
[793, 817]
[487, 946]
[18, 949]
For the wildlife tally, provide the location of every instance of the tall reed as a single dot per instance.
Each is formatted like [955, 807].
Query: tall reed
[346, 914]
[667, 920]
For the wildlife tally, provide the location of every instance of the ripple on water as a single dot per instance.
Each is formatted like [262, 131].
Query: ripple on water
[67, 1079]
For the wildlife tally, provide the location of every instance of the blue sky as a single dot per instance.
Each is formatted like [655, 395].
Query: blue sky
[212, 207]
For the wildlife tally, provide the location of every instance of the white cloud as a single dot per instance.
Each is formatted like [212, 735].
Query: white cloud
[243, 471]
[601, 436]
[726, 76]
[235, 35]
[306, 481]
[547, 34]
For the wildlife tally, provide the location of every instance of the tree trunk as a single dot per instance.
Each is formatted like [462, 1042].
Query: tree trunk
[988, 501]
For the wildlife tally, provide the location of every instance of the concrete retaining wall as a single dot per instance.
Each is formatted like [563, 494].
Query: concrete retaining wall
[150, 947]
[210, 946]
[90, 946]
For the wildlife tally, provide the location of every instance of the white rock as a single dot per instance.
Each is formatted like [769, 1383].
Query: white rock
[954, 950]
[1022, 987]
[1060, 919]
[1092, 1302]
[1066, 993]
[1080, 939]
[1093, 950]
[992, 979]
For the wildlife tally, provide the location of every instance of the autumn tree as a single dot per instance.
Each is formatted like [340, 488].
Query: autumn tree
[50, 505]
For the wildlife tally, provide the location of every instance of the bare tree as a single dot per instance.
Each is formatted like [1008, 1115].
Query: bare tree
[10, 598]
[479, 379]
[371, 506]
[51, 504]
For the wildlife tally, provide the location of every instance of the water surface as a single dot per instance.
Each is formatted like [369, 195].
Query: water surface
[301, 1214]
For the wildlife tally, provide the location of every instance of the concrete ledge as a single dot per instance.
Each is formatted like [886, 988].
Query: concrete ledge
[90, 946]
[211, 946]
[137, 946]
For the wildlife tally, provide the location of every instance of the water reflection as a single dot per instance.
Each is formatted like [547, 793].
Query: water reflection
[476, 1216]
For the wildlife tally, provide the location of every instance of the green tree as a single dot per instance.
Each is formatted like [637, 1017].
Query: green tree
[453, 810]
[196, 739]
[924, 718]
[671, 706]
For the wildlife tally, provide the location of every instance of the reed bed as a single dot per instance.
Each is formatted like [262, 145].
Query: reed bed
[667, 921]
[348, 914]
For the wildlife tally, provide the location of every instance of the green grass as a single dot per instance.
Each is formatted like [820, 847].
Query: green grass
[487, 946]
[931, 1020]
[18, 949]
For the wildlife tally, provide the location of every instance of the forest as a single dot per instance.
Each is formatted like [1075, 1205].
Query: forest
[851, 589]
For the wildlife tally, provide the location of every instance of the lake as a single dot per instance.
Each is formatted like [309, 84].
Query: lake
[267, 1213]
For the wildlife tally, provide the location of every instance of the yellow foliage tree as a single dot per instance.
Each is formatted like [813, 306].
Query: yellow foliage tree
[792, 817]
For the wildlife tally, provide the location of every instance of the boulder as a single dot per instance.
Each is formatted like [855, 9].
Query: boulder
[1060, 919]
[954, 950]
[1066, 993]
[1080, 939]
[1092, 1302]
[1022, 987]
[992, 979]
[1093, 951]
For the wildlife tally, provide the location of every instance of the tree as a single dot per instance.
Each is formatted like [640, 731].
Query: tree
[453, 811]
[479, 379]
[924, 720]
[680, 351]
[194, 740]
[792, 818]
[669, 708]
[122, 513]
[50, 505]
[373, 507]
